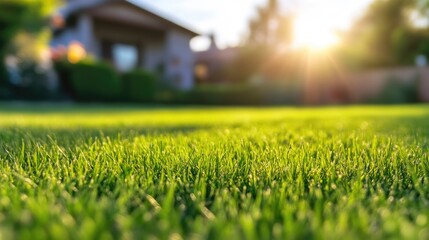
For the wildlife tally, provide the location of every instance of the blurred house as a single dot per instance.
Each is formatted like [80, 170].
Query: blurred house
[128, 35]
[212, 64]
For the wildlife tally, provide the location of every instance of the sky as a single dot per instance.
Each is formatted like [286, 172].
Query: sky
[316, 20]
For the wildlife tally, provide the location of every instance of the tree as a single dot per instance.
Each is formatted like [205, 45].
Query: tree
[386, 35]
[24, 30]
[270, 32]
[270, 27]
[11, 20]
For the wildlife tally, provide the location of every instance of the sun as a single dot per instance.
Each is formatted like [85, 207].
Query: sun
[314, 32]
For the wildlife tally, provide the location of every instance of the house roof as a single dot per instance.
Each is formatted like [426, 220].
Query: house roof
[76, 7]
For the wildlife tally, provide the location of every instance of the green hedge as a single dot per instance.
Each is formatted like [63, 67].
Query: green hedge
[139, 85]
[5, 92]
[96, 81]
[241, 94]
[90, 81]
[398, 92]
[220, 95]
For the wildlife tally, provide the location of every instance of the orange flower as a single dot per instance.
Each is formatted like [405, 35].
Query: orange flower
[76, 52]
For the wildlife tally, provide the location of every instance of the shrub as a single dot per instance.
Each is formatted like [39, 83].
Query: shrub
[4, 86]
[243, 94]
[396, 92]
[289, 93]
[221, 95]
[90, 81]
[139, 85]
[63, 70]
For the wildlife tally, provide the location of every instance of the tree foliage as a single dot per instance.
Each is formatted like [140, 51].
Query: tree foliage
[270, 26]
[21, 20]
[270, 32]
[387, 35]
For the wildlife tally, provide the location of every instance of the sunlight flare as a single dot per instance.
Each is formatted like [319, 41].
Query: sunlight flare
[314, 32]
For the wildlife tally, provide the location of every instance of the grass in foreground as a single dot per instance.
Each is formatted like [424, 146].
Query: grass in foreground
[214, 173]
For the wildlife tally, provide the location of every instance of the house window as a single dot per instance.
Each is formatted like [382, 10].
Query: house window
[125, 57]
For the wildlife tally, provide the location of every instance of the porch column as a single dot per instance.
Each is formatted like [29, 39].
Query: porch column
[179, 60]
[85, 31]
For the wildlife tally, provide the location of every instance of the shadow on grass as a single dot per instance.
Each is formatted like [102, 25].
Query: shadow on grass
[96, 108]
[12, 136]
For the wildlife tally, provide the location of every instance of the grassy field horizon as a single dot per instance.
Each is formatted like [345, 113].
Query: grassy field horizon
[127, 172]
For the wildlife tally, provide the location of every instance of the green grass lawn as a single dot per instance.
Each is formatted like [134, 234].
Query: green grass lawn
[74, 172]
